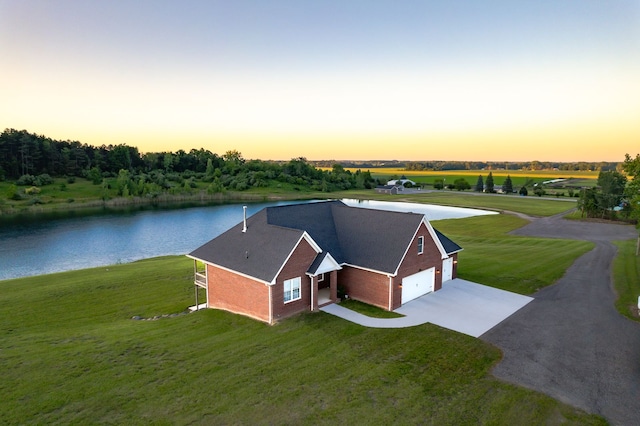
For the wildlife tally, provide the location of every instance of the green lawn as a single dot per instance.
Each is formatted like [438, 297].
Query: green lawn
[533, 206]
[519, 264]
[72, 354]
[368, 310]
[626, 274]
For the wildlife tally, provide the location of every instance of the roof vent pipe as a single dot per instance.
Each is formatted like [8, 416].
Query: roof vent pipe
[244, 220]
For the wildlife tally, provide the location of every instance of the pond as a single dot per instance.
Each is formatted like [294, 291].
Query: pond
[34, 247]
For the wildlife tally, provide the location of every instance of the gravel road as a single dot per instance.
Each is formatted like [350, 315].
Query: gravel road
[570, 342]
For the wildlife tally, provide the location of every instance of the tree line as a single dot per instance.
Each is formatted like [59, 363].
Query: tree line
[31, 159]
[616, 194]
[506, 165]
[472, 165]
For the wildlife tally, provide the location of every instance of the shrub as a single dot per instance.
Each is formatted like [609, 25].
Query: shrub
[342, 292]
[25, 180]
[72, 179]
[44, 179]
[95, 176]
[34, 200]
[32, 190]
[13, 194]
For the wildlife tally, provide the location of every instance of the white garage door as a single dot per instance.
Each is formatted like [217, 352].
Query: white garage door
[447, 269]
[418, 284]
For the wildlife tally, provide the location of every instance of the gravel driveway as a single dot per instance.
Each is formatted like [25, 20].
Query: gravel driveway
[570, 342]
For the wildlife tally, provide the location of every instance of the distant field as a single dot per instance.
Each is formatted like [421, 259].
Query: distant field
[518, 177]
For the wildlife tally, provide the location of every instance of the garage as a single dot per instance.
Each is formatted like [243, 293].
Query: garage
[447, 269]
[418, 284]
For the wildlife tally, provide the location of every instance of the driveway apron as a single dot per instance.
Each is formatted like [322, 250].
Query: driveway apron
[570, 342]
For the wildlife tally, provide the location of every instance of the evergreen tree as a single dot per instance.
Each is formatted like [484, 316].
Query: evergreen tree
[507, 186]
[479, 184]
[490, 183]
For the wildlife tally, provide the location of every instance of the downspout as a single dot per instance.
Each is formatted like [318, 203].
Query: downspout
[206, 274]
[390, 291]
[270, 305]
[312, 278]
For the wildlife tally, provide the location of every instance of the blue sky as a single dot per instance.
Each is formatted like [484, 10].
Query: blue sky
[458, 80]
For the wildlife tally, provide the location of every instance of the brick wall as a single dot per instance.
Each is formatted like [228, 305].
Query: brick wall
[297, 266]
[365, 286]
[235, 293]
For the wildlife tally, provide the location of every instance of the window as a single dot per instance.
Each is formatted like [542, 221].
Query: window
[420, 245]
[320, 277]
[292, 290]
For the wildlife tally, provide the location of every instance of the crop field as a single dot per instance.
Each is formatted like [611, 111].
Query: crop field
[518, 177]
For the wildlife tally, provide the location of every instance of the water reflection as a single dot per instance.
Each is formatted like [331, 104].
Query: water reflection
[34, 246]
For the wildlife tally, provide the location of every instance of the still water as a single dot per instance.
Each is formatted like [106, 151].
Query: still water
[36, 247]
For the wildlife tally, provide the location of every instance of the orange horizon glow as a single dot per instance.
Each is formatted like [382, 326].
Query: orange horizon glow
[438, 83]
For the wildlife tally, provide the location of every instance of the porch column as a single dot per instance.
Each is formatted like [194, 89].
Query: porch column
[333, 286]
[314, 293]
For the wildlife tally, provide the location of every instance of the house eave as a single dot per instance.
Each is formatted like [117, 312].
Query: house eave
[229, 270]
[305, 236]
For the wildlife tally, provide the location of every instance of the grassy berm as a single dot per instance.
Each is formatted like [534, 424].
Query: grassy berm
[72, 354]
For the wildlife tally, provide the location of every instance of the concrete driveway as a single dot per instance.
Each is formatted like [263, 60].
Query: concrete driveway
[460, 305]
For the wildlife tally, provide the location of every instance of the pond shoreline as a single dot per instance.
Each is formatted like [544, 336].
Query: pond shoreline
[69, 240]
[165, 201]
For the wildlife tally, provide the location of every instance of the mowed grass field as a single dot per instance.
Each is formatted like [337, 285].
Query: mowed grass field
[626, 272]
[533, 206]
[71, 354]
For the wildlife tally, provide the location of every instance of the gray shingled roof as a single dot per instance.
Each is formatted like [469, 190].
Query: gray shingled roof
[372, 239]
[260, 252]
[449, 246]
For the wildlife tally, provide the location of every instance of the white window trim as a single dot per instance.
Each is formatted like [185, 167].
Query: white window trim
[321, 277]
[293, 283]
[420, 244]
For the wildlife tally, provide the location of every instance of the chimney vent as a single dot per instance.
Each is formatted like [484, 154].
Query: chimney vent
[244, 215]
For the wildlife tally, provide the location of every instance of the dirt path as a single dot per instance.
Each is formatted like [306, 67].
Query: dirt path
[570, 342]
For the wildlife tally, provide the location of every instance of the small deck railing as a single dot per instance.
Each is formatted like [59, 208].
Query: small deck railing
[201, 279]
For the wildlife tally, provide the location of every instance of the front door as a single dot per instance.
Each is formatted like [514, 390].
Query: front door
[447, 269]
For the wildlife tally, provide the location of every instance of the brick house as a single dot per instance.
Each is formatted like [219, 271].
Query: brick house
[288, 259]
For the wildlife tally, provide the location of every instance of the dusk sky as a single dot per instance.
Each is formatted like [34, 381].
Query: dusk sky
[333, 79]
